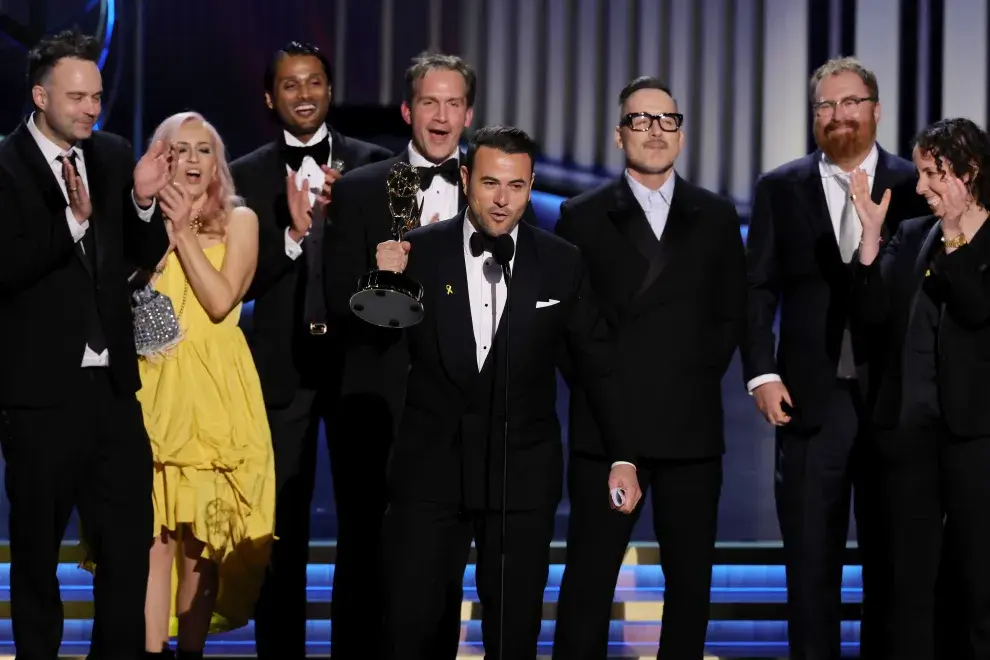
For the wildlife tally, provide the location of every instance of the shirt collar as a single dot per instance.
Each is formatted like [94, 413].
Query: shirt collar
[416, 159]
[49, 149]
[645, 196]
[869, 165]
[320, 135]
[469, 229]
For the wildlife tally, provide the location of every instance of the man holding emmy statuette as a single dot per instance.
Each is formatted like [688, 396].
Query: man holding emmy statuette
[479, 453]
[289, 184]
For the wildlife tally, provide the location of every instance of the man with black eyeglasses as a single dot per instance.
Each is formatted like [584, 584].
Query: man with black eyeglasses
[667, 266]
[811, 384]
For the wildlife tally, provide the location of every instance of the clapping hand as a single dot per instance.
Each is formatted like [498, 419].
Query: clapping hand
[79, 202]
[153, 172]
[300, 208]
[955, 201]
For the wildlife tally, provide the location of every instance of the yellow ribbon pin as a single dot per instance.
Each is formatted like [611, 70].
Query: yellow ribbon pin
[450, 290]
[927, 273]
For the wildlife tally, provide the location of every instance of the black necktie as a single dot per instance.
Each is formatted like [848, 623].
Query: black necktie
[87, 247]
[480, 243]
[449, 170]
[320, 152]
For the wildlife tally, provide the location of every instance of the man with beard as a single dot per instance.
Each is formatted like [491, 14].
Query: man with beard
[297, 353]
[802, 237]
[666, 261]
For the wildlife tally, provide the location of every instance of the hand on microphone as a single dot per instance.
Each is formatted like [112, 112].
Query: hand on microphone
[393, 256]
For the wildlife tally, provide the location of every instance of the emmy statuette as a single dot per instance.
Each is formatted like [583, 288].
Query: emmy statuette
[384, 298]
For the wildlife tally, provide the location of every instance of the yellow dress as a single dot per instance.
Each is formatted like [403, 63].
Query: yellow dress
[212, 448]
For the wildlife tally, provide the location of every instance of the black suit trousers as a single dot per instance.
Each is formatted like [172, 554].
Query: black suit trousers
[93, 453]
[357, 459]
[815, 476]
[929, 476]
[426, 550]
[685, 515]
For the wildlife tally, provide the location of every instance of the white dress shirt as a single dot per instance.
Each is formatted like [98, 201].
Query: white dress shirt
[480, 291]
[309, 169]
[835, 183]
[655, 203]
[440, 200]
[53, 154]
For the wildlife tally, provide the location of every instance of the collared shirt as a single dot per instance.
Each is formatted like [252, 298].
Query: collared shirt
[440, 200]
[655, 203]
[481, 271]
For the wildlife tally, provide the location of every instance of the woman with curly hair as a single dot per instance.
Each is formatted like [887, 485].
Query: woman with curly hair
[926, 292]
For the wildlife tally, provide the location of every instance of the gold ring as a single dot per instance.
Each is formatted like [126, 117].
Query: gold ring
[73, 189]
[852, 197]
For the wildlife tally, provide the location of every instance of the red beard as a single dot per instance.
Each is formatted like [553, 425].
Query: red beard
[843, 145]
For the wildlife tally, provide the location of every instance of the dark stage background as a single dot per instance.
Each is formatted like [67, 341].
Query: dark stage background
[554, 67]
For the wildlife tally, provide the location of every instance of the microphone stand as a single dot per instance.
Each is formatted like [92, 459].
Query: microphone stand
[507, 273]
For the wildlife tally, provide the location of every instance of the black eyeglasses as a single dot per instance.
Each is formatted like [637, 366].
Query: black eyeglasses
[849, 104]
[643, 121]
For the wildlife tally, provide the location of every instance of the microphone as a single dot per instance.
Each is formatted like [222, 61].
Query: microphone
[504, 248]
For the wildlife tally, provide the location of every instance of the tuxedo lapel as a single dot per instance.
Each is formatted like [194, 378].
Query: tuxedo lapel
[629, 219]
[455, 330]
[921, 265]
[41, 172]
[524, 289]
[883, 180]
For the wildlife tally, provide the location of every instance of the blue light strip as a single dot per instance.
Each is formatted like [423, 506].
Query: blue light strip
[107, 38]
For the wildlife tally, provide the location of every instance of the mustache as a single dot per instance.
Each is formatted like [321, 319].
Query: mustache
[845, 123]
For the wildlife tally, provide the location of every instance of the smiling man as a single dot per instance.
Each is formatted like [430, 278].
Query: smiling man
[494, 287]
[294, 347]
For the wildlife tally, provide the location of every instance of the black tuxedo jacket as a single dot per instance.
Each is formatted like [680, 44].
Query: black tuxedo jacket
[360, 219]
[885, 295]
[793, 262]
[449, 447]
[44, 279]
[678, 304]
[276, 335]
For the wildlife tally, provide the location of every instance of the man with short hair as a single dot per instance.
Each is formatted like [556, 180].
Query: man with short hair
[297, 350]
[499, 295]
[74, 209]
[666, 261]
[812, 385]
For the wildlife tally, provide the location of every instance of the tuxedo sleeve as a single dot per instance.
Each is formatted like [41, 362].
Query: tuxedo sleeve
[871, 285]
[594, 363]
[968, 291]
[273, 263]
[730, 293]
[762, 288]
[30, 247]
[346, 253]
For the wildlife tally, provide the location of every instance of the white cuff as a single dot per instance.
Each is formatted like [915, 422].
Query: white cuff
[762, 380]
[77, 229]
[292, 249]
[623, 463]
[144, 214]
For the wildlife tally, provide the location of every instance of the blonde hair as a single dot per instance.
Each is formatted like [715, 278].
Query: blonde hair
[843, 65]
[221, 198]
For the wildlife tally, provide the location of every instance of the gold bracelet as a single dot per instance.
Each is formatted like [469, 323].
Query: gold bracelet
[956, 242]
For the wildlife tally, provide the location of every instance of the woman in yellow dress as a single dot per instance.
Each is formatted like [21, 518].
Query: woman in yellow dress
[214, 484]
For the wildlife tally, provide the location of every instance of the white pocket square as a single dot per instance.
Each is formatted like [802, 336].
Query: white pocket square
[546, 303]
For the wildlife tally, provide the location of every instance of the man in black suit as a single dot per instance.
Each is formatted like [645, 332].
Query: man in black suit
[297, 351]
[496, 292]
[72, 207]
[438, 106]
[666, 260]
[802, 236]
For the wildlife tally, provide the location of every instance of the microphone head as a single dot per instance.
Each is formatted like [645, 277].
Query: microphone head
[505, 247]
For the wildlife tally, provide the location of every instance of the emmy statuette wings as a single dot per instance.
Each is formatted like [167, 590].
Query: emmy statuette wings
[383, 298]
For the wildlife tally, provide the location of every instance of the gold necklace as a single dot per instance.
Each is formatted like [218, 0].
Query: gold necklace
[196, 223]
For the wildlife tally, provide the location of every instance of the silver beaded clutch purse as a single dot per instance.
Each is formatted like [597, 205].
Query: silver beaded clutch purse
[156, 325]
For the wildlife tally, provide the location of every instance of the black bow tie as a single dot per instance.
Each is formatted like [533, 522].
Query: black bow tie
[449, 170]
[320, 152]
[480, 243]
